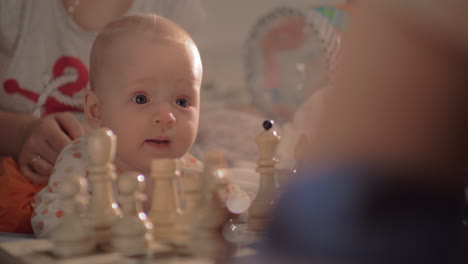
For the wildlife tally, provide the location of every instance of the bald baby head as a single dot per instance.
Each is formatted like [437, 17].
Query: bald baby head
[113, 40]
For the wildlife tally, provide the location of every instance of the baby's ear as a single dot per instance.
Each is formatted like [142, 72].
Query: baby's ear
[92, 108]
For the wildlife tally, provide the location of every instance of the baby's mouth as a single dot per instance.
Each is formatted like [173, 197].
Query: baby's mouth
[160, 142]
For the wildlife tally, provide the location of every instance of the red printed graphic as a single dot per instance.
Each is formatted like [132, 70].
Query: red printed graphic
[52, 105]
[71, 88]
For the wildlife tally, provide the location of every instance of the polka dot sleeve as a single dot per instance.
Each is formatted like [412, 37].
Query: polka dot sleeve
[189, 162]
[48, 210]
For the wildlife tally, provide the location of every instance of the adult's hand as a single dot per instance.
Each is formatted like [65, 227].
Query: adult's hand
[43, 143]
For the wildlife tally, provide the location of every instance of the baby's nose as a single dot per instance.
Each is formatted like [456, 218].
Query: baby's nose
[169, 120]
[165, 116]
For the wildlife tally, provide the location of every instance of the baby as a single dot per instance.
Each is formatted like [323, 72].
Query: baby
[145, 76]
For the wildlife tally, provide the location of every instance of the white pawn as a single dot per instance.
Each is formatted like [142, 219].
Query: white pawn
[207, 237]
[103, 210]
[131, 233]
[191, 184]
[71, 237]
[165, 205]
[267, 142]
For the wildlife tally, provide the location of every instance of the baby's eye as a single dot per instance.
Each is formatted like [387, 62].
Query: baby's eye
[183, 102]
[140, 99]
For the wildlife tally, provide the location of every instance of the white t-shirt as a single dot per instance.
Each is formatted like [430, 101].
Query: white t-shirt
[44, 55]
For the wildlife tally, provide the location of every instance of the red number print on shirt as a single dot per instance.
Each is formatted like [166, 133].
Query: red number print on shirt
[67, 90]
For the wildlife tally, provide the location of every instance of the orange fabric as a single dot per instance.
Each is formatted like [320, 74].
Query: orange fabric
[16, 194]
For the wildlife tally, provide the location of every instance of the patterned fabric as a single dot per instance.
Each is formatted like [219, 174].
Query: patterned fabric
[74, 161]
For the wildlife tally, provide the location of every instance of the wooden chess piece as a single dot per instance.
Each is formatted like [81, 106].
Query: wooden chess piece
[267, 143]
[191, 185]
[103, 209]
[165, 201]
[72, 237]
[207, 237]
[131, 233]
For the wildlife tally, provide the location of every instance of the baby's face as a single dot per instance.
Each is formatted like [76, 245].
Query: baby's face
[151, 100]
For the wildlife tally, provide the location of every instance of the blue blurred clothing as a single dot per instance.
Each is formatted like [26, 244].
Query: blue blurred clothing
[367, 214]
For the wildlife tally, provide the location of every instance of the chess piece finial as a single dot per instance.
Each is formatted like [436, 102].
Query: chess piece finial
[102, 144]
[71, 237]
[267, 143]
[131, 233]
[165, 202]
[103, 209]
[268, 124]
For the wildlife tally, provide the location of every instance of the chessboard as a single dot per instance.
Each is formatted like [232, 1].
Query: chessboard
[39, 251]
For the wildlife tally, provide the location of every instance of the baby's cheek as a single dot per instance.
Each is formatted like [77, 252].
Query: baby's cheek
[187, 138]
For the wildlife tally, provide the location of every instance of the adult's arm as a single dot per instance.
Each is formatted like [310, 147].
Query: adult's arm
[36, 142]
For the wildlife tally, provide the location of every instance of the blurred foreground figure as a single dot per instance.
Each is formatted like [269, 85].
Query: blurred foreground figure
[385, 170]
[400, 88]
[366, 214]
